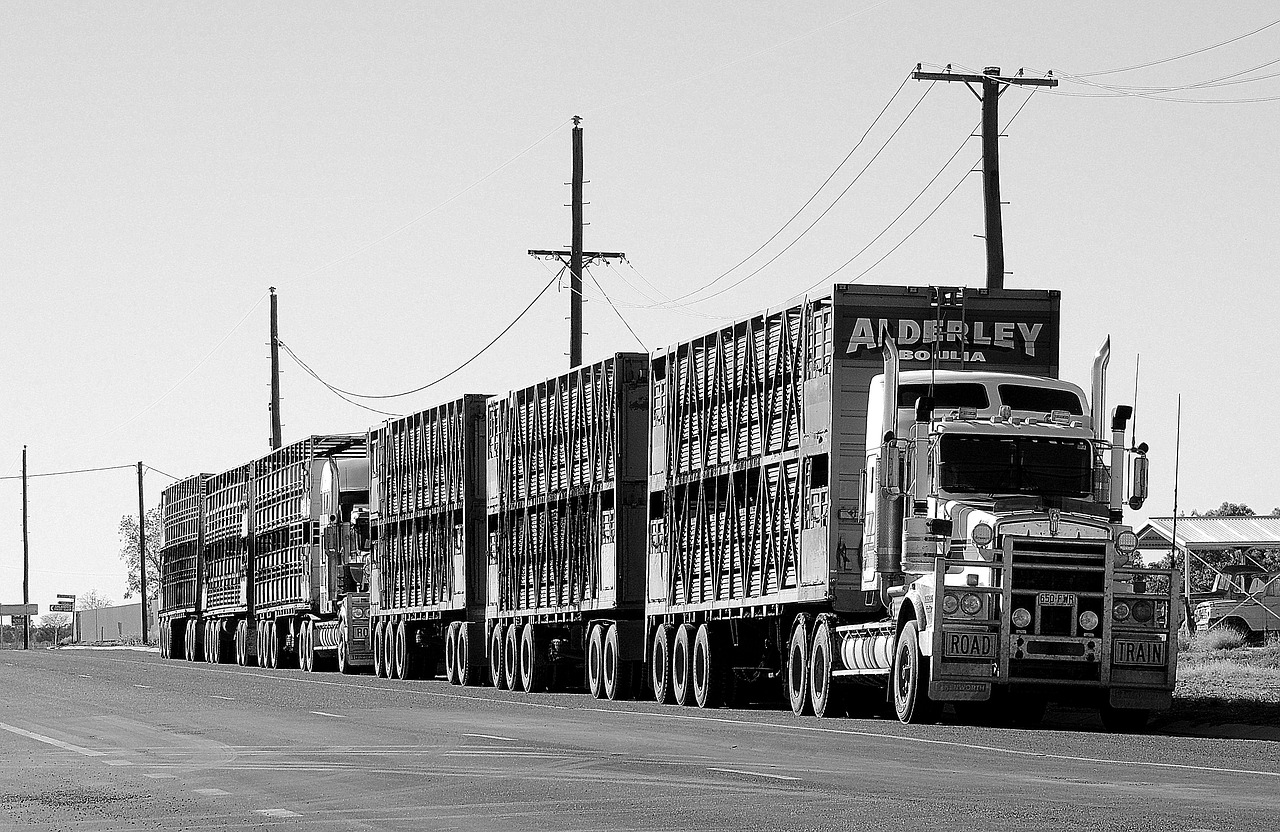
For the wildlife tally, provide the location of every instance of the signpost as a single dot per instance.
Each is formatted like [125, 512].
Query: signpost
[18, 614]
[66, 603]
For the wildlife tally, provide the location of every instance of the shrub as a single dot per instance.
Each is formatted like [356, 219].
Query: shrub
[1219, 638]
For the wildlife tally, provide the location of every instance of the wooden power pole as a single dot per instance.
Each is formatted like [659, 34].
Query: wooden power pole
[992, 84]
[275, 375]
[26, 565]
[142, 553]
[576, 257]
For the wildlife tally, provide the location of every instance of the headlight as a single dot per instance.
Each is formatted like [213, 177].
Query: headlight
[983, 534]
[971, 604]
[1021, 618]
[950, 604]
[1088, 620]
[1126, 542]
[1120, 612]
[1143, 611]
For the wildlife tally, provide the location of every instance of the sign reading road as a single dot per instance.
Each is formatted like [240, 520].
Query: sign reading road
[19, 609]
[62, 608]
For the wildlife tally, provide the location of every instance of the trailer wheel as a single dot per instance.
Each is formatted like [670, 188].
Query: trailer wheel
[497, 646]
[189, 640]
[451, 652]
[660, 663]
[1124, 720]
[823, 694]
[400, 649]
[616, 674]
[464, 672]
[910, 680]
[682, 664]
[594, 664]
[797, 674]
[533, 660]
[709, 658]
[511, 657]
[307, 647]
[238, 643]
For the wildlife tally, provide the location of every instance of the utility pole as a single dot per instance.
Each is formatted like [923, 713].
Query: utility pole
[577, 258]
[142, 552]
[26, 567]
[275, 375]
[993, 84]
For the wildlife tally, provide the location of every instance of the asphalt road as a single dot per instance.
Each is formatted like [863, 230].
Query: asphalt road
[119, 739]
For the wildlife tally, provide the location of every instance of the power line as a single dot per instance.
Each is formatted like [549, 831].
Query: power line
[162, 473]
[339, 393]
[344, 393]
[1178, 57]
[75, 471]
[615, 310]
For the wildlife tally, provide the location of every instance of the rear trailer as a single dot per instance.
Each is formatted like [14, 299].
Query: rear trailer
[565, 514]
[427, 576]
[757, 449]
[181, 556]
[226, 568]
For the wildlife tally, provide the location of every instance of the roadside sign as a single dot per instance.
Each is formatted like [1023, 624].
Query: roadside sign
[19, 609]
[66, 597]
[18, 620]
[62, 608]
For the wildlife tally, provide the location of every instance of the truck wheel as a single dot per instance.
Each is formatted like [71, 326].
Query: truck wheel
[709, 657]
[682, 664]
[451, 652]
[344, 663]
[379, 660]
[511, 656]
[660, 663]
[823, 693]
[239, 642]
[797, 670]
[404, 652]
[595, 661]
[497, 646]
[389, 650]
[1124, 720]
[275, 646]
[465, 673]
[533, 659]
[910, 680]
[207, 643]
[307, 647]
[615, 673]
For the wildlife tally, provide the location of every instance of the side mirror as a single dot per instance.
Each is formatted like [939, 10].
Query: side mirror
[1141, 473]
[891, 469]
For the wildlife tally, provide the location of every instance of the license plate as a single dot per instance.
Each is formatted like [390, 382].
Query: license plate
[1124, 651]
[969, 645]
[1057, 599]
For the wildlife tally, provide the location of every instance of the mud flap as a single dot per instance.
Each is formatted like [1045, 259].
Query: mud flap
[958, 691]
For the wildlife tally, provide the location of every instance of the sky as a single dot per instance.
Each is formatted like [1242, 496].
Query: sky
[387, 167]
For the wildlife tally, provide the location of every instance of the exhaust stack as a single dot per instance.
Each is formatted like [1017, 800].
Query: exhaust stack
[1098, 393]
[889, 496]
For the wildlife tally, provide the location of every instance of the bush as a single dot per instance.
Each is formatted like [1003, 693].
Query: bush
[1218, 638]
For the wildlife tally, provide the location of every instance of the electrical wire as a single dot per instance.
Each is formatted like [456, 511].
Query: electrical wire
[811, 198]
[615, 310]
[1177, 57]
[75, 471]
[161, 473]
[341, 392]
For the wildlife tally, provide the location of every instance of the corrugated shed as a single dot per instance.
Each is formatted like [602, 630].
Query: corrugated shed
[1205, 533]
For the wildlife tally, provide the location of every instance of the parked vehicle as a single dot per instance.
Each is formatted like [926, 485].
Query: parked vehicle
[1246, 600]
[882, 487]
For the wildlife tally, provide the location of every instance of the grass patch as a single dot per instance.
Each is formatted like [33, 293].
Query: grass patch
[1220, 684]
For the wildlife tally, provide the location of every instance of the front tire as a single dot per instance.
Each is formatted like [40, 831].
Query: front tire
[910, 680]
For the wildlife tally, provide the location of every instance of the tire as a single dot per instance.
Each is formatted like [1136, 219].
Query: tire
[206, 642]
[511, 657]
[497, 646]
[1124, 720]
[533, 660]
[682, 664]
[379, 660]
[389, 650]
[344, 664]
[616, 674]
[241, 647]
[824, 695]
[595, 661]
[307, 650]
[275, 646]
[466, 673]
[451, 652]
[404, 653]
[660, 664]
[797, 669]
[910, 680]
[709, 662]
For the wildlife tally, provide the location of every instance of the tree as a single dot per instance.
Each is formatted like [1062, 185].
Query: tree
[53, 627]
[92, 600]
[129, 552]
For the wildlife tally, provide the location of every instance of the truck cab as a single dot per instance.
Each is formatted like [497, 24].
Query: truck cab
[346, 546]
[995, 536]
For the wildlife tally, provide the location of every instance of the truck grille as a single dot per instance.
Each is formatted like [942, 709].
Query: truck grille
[1056, 580]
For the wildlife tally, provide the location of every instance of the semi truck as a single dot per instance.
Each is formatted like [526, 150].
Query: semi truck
[881, 489]
[270, 572]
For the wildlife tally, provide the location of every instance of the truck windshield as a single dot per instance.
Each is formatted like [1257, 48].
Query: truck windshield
[1016, 465]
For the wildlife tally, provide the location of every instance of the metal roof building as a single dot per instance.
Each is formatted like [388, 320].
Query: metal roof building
[1205, 534]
